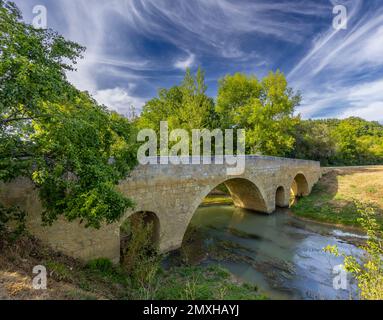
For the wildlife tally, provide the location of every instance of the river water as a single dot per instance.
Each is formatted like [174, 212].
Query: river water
[279, 253]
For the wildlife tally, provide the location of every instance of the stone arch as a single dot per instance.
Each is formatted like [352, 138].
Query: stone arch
[280, 197]
[134, 218]
[300, 186]
[245, 194]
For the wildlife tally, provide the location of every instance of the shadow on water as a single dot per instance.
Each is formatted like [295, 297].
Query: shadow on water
[280, 254]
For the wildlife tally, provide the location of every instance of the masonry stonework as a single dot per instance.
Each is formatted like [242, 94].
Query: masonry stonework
[173, 193]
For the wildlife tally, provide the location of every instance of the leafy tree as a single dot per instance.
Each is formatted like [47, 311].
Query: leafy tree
[354, 143]
[313, 141]
[264, 108]
[74, 150]
[185, 106]
[345, 135]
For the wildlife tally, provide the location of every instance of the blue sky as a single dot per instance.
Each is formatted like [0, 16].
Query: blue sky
[135, 47]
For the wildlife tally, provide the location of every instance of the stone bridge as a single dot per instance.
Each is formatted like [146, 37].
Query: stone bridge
[171, 193]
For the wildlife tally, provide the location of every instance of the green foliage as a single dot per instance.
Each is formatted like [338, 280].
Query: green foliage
[319, 208]
[264, 108]
[368, 270]
[59, 270]
[351, 141]
[108, 271]
[217, 199]
[199, 283]
[74, 150]
[102, 264]
[12, 221]
[313, 141]
[185, 106]
[90, 154]
[191, 283]
[139, 256]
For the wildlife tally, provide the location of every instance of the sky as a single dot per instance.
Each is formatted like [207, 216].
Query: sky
[135, 47]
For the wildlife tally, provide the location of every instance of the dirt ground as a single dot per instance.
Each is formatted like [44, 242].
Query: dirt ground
[17, 261]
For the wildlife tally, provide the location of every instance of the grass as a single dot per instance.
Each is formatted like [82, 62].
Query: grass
[70, 279]
[200, 283]
[332, 198]
[217, 200]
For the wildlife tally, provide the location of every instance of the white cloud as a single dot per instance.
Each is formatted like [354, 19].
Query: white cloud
[214, 26]
[371, 112]
[361, 100]
[366, 101]
[370, 91]
[119, 100]
[186, 63]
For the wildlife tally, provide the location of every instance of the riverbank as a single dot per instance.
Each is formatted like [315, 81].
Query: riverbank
[70, 279]
[213, 199]
[332, 198]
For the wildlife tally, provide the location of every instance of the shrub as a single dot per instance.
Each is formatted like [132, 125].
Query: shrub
[12, 221]
[139, 255]
[102, 265]
[367, 270]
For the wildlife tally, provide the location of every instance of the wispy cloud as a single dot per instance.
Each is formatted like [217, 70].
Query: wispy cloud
[186, 63]
[136, 46]
[362, 100]
[216, 24]
[341, 74]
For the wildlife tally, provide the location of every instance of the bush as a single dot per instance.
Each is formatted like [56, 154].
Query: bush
[368, 270]
[139, 255]
[102, 265]
[12, 221]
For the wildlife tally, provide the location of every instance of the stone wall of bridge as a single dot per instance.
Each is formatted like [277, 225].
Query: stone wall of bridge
[172, 193]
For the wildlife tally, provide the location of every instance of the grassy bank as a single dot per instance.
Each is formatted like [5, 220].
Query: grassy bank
[332, 198]
[217, 200]
[70, 279]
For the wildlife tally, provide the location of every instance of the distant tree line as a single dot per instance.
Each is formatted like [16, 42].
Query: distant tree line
[351, 141]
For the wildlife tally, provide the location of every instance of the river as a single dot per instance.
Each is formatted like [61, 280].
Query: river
[279, 253]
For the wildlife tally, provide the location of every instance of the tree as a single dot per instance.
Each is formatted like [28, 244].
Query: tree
[358, 141]
[73, 149]
[264, 108]
[346, 138]
[313, 141]
[351, 141]
[185, 106]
